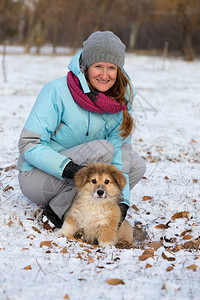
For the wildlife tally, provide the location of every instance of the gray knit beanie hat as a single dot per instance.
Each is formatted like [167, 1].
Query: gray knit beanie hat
[103, 46]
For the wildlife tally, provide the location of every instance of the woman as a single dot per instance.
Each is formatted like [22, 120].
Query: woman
[79, 118]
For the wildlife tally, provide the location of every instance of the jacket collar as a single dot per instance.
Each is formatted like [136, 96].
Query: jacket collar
[74, 66]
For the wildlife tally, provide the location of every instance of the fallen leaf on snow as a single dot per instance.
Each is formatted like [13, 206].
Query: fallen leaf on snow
[148, 253]
[10, 223]
[182, 214]
[185, 231]
[148, 266]
[187, 237]
[64, 250]
[168, 255]
[10, 168]
[66, 296]
[36, 229]
[192, 267]
[28, 268]
[7, 188]
[161, 226]
[155, 245]
[146, 198]
[170, 268]
[90, 259]
[134, 207]
[46, 243]
[115, 281]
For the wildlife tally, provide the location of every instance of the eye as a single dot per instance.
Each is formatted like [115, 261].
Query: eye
[94, 181]
[97, 66]
[107, 181]
[113, 68]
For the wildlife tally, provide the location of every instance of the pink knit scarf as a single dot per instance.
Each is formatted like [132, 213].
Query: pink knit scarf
[101, 104]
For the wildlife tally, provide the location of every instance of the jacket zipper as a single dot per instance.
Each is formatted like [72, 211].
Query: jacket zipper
[87, 133]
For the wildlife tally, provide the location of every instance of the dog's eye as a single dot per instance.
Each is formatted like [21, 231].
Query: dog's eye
[107, 181]
[94, 181]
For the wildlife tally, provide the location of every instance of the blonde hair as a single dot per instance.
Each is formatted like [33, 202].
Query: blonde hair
[118, 91]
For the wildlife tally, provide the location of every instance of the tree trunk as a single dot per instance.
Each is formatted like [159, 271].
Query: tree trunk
[187, 42]
[134, 27]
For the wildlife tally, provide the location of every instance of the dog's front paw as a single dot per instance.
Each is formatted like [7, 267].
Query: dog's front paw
[59, 232]
[67, 230]
[106, 243]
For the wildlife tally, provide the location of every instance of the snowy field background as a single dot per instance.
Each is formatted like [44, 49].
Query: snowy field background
[36, 264]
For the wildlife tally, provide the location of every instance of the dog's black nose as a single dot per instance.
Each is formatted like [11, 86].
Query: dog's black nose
[100, 192]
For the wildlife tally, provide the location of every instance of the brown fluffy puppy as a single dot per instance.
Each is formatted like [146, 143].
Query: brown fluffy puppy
[95, 209]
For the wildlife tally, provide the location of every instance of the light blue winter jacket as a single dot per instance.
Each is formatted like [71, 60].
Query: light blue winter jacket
[57, 122]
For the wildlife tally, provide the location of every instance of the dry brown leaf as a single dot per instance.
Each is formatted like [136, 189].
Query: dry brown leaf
[192, 267]
[31, 236]
[197, 243]
[177, 248]
[185, 231]
[66, 296]
[195, 180]
[189, 245]
[161, 226]
[169, 258]
[146, 198]
[87, 250]
[64, 250]
[182, 214]
[148, 266]
[20, 223]
[36, 229]
[187, 237]
[10, 168]
[79, 256]
[28, 268]
[155, 245]
[144, 257]
[7, 188]
[46, 243]
[166, 177]
[170, 268]
[90, 259]
[115, 281]
[148, 253]
[10, 223]
[134, 207]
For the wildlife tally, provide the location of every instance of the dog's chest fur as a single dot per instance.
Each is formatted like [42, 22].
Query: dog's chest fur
[91, 214]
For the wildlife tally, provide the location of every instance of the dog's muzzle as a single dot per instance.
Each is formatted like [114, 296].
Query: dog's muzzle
[100, 192]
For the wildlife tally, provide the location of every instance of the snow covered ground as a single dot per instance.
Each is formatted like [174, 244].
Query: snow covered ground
[36, 264]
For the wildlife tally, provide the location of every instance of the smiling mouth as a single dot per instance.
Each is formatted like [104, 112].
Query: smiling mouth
[103, 81]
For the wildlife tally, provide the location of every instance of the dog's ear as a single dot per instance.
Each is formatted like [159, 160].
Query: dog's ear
[119, 177]
[81, 177]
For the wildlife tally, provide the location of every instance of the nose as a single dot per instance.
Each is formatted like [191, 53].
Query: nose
[100, 193]
[104, 74]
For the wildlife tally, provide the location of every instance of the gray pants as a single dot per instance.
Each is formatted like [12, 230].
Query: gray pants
[42, 188]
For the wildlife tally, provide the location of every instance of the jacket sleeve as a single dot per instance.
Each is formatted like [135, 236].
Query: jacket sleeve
[122, 156]
[40, 125]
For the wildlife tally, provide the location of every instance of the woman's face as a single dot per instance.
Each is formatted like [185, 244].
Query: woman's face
[102, 75]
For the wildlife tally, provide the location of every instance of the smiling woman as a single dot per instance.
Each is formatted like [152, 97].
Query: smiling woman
[80, 118]
[102, 76]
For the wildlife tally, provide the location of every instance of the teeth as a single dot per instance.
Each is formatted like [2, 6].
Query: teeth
[102, 81]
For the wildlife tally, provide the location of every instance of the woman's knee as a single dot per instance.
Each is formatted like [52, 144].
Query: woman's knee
[107, 151]
[137, 170]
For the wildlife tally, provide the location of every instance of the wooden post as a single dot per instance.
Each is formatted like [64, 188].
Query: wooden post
[165, 53]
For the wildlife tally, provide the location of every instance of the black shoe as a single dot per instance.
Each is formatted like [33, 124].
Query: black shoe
[51, 216]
